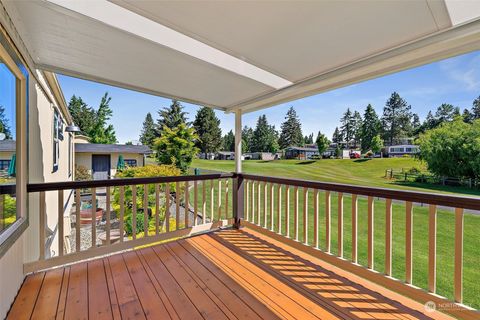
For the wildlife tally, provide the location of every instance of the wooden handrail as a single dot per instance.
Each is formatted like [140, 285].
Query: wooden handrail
[472, 203]
[67, 185]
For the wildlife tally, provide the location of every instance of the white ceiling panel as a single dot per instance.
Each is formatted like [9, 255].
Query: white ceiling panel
[294, 39]
[239, 54]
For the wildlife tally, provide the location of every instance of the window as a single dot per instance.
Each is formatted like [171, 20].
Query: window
[4, 165]
[57, 136]
[13, 106]
[131, 162]
[70, 160]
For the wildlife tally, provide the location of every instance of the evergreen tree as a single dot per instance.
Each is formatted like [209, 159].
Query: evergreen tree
[207, 127]
[371, 127]
[475, 109]
[147, 136]
[337, 136]
[171, 117]
[93, 123]
[322, 143]
[265, 137]
[416, 124]
[446, 113]
[347, 129]
[177, 146]
[396, 118]
[357, 128]
[83, 116]
[247, 139]
[308, 139]
[228, 141]
[291, 130]
[467, 116]
[102, 132]
[4, 126]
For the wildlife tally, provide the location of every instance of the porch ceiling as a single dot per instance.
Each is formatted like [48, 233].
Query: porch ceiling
[246, 55]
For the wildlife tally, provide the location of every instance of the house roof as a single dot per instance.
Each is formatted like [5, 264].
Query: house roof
[302, 149]
[8, 145]
[241, 55]
[111, 148]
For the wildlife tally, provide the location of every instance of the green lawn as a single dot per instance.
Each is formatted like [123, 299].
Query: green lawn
[362, 172]
[370, 173]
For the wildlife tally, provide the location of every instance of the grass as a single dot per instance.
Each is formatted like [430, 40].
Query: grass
[370, 173]
[363, 172]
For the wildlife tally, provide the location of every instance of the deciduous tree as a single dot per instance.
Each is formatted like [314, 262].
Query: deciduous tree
[322, 143]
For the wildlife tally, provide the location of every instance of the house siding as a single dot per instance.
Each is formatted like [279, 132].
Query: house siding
[41, 101]
[85, 159]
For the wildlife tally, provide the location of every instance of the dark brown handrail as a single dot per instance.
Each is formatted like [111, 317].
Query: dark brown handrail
[413, 196]
[66, 185]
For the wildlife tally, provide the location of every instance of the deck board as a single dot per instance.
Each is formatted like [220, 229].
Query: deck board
[222, 275]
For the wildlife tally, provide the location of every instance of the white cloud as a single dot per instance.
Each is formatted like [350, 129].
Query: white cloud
[466, 72]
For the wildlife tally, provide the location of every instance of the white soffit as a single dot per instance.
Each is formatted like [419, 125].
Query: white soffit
[238, 54]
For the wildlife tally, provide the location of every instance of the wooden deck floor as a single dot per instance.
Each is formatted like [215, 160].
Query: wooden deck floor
[224, 275]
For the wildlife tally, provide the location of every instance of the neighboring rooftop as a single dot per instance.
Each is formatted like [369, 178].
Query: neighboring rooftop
[8, 145]
[111, 148]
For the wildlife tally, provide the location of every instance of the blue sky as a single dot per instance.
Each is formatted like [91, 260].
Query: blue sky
[455, 80]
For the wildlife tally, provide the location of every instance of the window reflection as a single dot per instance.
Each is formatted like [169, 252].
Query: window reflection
[8, 210]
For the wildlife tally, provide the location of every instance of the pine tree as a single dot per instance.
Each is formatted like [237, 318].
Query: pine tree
[308, 139]
[475, 109]
[347, 129]
[228, 141]
[171, 117]
[102, 132]
[4, 126]
[247, 139]
[396, 118]
[416, 124]
[93, 123]
[291, 130]
[265, 137]
[337, 136]
[82, 114]
[207, 127]
[467, 116]
[370, 128]
[357, 128]
[446, 113]
[147, 135]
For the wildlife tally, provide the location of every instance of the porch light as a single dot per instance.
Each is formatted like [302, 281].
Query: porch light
[72, 128]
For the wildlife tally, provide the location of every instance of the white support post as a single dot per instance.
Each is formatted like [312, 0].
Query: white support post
[238, 141]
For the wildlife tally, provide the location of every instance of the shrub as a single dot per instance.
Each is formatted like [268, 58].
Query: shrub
[81, 173]
[139, 223]
[143, 172]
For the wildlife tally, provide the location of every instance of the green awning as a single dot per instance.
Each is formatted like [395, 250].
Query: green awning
[12, 168]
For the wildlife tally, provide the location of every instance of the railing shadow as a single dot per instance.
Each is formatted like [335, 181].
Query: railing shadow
[313, 281]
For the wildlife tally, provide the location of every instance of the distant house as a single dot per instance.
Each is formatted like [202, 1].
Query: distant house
[225, 155]
[402, 149]
[267, 156]
[301, 153]
[101, 160]
[7, 149]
